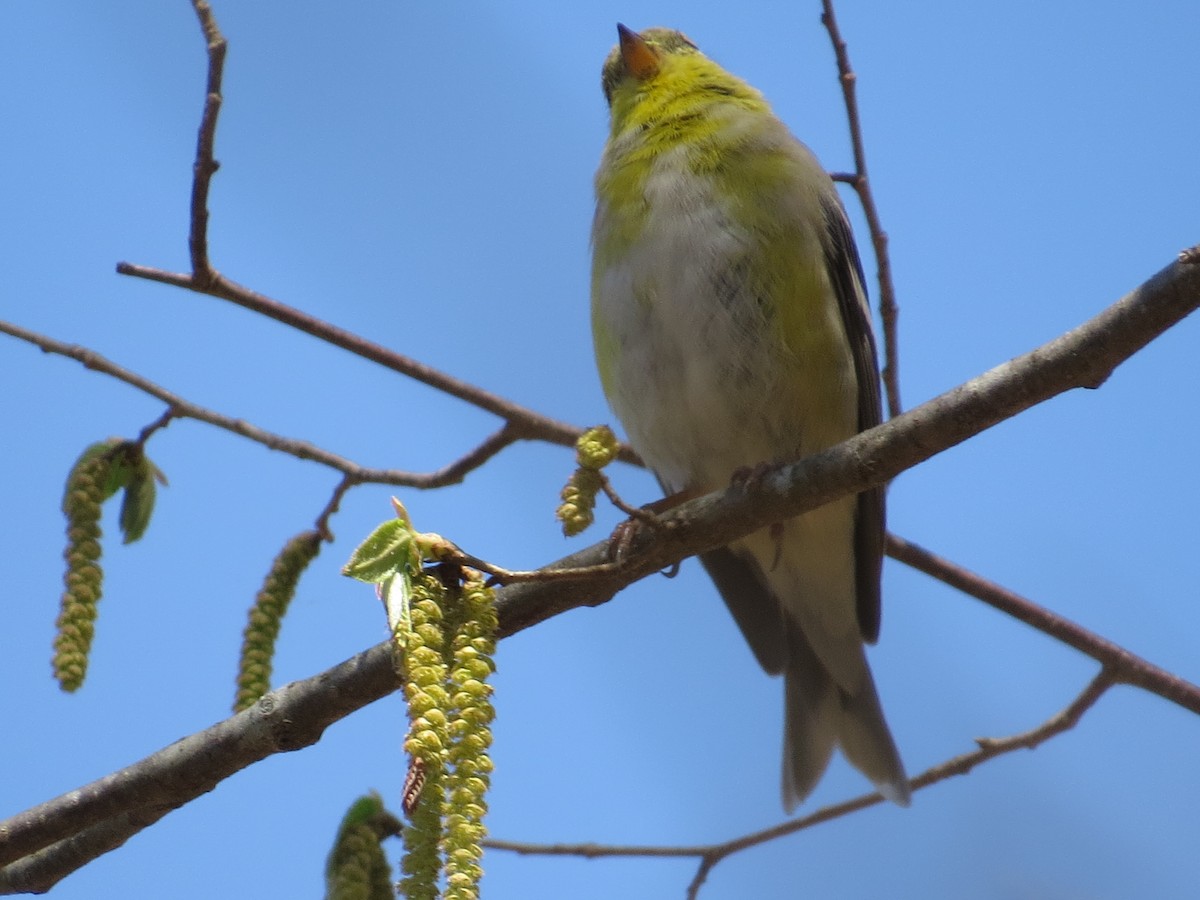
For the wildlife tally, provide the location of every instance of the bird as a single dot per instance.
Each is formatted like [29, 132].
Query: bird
[732, 331]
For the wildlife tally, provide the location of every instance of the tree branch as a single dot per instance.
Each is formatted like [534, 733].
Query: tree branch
[531, 425]
[1125, 666]
[297, 714]
[711, 854]
[522, 423]
[102, 815]
[43, 844]
[889, 309]
[179, 408]
[206, 165]
[1083, 357]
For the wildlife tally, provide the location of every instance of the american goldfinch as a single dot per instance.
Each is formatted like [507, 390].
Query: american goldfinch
[732, 329]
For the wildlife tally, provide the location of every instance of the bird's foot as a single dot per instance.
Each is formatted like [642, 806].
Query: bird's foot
[748, 477]
[648, 516]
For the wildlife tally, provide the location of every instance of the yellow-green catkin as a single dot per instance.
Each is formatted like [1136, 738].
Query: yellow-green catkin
[594, 450]
[597, 447]
[266, 617]
[577, 511]
[357, 868]
[363, 873]
[471, 712]
[86, 490]
[421, 656]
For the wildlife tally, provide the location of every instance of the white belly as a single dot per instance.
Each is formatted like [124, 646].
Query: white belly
[704, 382]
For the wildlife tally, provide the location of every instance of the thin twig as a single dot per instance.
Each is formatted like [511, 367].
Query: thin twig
[1084, 356]
[500, 575]
[889, 310]
[179, 408]
[711, 854]
[641, 514]
[335, 501]
[158, 424]
[1126, 667]
[454, 473]
[205, 279]
[988, 749]
[531, 425]
[206, 165]
[296, 715]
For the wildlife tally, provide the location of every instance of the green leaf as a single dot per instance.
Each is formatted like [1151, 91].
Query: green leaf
[389, 550]
[138, 503]
[396, 594]
[126, 458]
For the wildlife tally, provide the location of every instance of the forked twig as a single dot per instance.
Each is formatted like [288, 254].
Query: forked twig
[521, 422]
[179, 408]
[44, 844]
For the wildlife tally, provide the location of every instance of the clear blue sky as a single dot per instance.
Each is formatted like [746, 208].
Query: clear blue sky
[422, 174]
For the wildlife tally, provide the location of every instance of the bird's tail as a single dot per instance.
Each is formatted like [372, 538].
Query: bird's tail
[820, 715]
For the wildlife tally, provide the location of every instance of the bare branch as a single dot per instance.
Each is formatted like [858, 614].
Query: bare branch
[292, 717]
[335, 501]
[1126, 667]
[526, 423]
[157, 425]
[40, 871]
[206, 165]
[179, 408]
[296, 714]
[1084, 357]
[889, 310]
[205, 279]
[711, 854]
[455, 472]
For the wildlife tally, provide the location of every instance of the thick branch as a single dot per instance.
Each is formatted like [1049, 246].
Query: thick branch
[107, 812]
[1084, 357]
[295, 715]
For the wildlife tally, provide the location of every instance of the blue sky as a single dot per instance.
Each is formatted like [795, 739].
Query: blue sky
[422, 174]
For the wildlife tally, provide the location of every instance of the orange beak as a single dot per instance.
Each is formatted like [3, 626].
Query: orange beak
[641, 60]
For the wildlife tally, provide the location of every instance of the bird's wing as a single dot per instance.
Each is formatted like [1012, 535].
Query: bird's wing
[756, 611]
[846, 276]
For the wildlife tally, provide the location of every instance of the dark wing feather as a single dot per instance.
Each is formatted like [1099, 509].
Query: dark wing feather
[846, 275]
[754, 608]
[756, 611]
